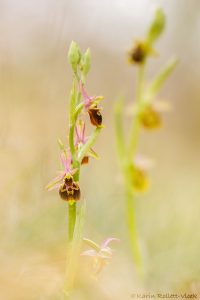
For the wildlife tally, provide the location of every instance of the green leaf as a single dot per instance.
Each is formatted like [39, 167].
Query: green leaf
[160, 79]
[72, 100]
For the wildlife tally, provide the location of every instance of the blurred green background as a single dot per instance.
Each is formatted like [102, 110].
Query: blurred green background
[35, 81]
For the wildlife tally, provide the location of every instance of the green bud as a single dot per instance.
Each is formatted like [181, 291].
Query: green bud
[157, 26]
[85, 63]
[74, 56]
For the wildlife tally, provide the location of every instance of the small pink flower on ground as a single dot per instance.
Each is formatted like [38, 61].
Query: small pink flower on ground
[100, 254]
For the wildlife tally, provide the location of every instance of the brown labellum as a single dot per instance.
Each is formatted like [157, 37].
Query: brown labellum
[70, 193]
[95, 116]
[138, 53]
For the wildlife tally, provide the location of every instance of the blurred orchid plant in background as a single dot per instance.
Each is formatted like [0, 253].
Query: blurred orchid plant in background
[146, 114]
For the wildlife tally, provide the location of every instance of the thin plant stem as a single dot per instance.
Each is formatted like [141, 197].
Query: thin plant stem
[130, 193]
[119, 129]
[130, 211]
[74, 100]
[135, 128]
[73, 254]
[126, 161]
[71, 220]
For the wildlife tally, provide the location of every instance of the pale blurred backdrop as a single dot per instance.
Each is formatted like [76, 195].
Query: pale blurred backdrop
[35, 81]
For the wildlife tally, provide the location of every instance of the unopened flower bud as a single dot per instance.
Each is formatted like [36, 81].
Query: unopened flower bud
[157, 26]
[74, 56]
[85, 63]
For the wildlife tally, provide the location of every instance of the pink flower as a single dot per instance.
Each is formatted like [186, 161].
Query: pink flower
[67, 171]
[90, 104]
[88, 100]
[100, 255]
[81, 139]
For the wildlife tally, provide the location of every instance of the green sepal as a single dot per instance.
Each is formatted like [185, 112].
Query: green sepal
[93, 154]
[92, 244]
[61, 145]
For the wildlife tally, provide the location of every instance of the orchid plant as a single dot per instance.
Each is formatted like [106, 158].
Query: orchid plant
[79, 149]
[146, 115]
[73, 156]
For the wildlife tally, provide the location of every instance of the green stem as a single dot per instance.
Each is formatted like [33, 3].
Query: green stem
[130, 211]
[73, 254]
[71, 220]
[71, 139]
[130, 194]
[119, 130]
[135, 128]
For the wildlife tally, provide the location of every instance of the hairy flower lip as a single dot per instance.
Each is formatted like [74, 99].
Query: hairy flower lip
[70, 193]
[138, 53]
[95, 116]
